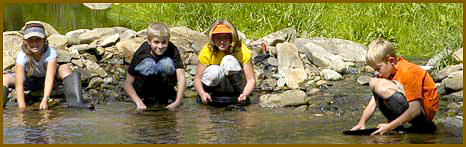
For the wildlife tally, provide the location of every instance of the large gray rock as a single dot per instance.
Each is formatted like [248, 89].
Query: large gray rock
[458, 55]
[442, 74]
[58, 41]
[12, 42]
[323, 58]
[287, 98]
[96, 34]
[453, 126]
[290, 65]
[285, 35]
[49, 30]
[95, 69]
[189, 42]
[126, 48]
[438, 57]
[98, 6]
[349, 51]
[454, 82]
[73, 36]
[331, 75]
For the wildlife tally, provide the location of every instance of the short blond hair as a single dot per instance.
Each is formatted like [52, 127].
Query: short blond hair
[157, 29]
[379, 50]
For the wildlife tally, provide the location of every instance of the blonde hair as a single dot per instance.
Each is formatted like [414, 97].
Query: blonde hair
[28, 52]
[235, 42]
[380, 50]
[157, 29]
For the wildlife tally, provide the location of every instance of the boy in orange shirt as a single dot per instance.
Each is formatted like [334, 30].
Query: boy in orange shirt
[402, 90]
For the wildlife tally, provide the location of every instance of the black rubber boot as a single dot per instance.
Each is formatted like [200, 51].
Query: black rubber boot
[5, 96]
[73, 92]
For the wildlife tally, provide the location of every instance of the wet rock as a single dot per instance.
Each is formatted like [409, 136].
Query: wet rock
[290, 65]
[453, 126]
[442, 74]
[95, 69]
[287, 98]
[73, 36]
[323, 58]
[454, 82]
[12, 42]
[285, 35]
[302, 108]
[349, 51]
[323, 83]
[363, 80]
[458, 55]
[268, 84]
[331, 75]
[98, 6]
[58, 41]
[65, 56]
[95, 82]
[438, 57]
[110, 40]
[49, 30]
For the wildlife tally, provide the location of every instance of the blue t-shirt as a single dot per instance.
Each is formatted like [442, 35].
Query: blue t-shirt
[40, 67]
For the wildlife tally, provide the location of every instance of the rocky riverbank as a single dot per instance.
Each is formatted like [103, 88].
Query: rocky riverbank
[297, 69]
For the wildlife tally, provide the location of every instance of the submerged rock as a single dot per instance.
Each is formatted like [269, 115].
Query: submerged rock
[287, 98]
[363, 80]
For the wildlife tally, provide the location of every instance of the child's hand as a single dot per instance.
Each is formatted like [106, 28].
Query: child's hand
[242, 97]
[384, 127]
[205, 97]
[43, 105]
[358, 127]
[173, 105]
[140, 107]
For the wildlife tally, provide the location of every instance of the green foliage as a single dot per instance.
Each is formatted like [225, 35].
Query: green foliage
[417, 29]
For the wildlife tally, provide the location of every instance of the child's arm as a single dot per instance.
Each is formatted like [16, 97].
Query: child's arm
[19, 86]
[48, 85]
[250, 81]
[198, 84]
[128, 86]
[412, 112]
[181, 86]
[366, 115]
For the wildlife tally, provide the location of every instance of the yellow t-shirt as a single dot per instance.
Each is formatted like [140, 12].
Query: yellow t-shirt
[207, 57]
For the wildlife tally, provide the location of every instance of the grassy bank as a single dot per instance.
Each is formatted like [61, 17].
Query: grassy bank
[418, 30]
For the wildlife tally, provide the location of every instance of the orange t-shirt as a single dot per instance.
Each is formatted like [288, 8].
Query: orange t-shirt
[418, 85]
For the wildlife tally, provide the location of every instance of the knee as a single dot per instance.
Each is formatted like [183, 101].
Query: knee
[230, 64]
[167, 66]
[8, 80]
[212, 75]
[64, 70]
[382, 87]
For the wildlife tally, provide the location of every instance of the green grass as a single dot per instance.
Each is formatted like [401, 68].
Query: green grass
[418, 30]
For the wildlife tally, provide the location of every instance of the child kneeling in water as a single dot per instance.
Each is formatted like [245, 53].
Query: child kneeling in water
[36, 69]
[155, 68]
[224, 68]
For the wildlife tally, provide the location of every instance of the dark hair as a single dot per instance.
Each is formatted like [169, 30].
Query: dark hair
[28, 52]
